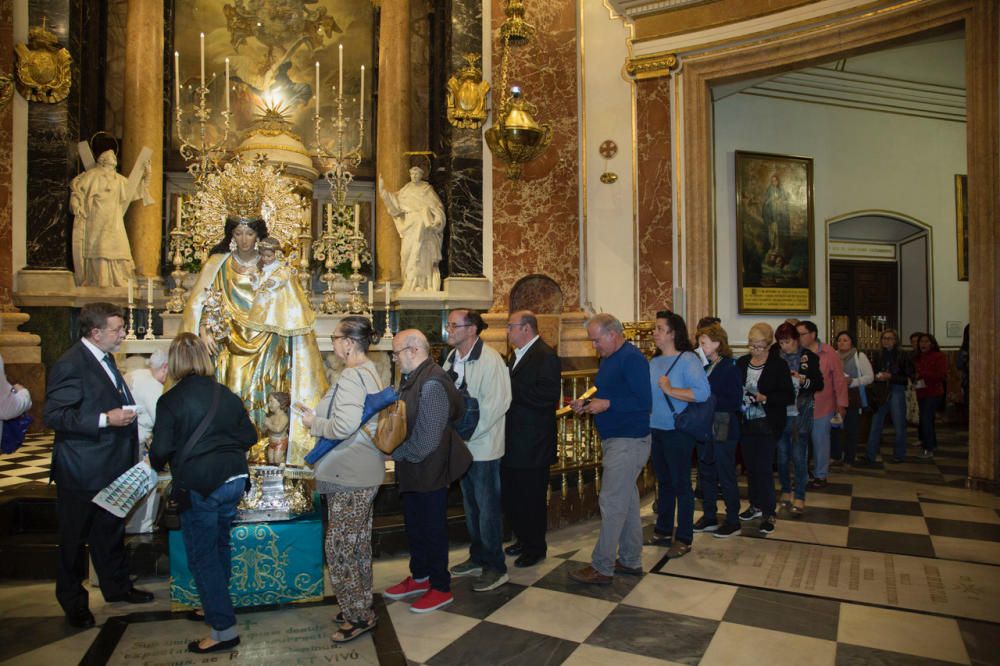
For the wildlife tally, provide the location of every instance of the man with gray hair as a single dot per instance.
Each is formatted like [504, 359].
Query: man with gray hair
[427, 462]
[621, 409]
[146, 385]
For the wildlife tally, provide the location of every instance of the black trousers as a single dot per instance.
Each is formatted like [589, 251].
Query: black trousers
[426, 520]
[83, 523]
[522, 492]
[758, 456]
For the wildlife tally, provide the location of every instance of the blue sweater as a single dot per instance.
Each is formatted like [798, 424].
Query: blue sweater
[727, 386]
[622, 379]
[687, 373]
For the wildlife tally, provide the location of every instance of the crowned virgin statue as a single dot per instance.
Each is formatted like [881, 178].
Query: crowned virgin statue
[262, 343]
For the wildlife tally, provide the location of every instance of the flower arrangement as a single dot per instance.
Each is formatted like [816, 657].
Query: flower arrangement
[342, 251]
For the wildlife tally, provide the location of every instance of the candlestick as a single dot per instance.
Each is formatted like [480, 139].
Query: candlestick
[361, 98]
[227, 85]
[340, 70]
[177, 79]
[130, 298]
[149, 310]
[317, 87]
[202, 60]
[130, 331]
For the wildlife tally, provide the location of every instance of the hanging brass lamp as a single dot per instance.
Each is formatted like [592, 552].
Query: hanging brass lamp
[515, 137]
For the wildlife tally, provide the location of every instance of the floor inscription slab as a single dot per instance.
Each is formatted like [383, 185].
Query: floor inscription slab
[948, 587]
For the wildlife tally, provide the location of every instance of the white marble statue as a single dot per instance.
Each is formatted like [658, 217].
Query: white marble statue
[99, 198]
[419, 217]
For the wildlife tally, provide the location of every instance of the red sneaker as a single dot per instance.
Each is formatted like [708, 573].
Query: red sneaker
[407, 588]
[431, 601]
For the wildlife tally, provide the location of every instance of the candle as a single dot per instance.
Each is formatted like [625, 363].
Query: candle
[340, 71]
[180, 214]
[149, 290]
[130, 297]
[227, 85]
[371, 295]
[357, 217]
[361, 98]
[387, 299]
[317, 87]
[202, 60]
[177, 79]
[329, 217]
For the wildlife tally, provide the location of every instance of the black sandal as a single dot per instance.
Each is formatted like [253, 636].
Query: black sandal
[354, 630]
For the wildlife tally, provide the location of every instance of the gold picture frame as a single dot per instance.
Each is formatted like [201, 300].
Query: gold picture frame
[962, 225]
[775, 252]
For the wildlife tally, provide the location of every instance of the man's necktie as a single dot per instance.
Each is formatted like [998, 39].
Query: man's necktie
[119, 380]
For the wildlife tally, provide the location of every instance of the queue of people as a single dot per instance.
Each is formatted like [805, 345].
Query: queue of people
[771, 404]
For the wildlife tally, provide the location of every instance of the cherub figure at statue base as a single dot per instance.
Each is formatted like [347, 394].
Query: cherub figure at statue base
[276, 427]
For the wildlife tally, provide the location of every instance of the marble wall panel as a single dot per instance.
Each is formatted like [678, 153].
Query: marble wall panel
[6, 162]
[462, 150]
[654, 178]
[536, 219]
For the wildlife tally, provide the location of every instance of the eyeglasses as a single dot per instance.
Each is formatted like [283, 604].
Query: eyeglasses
[338, 337]
[758, 347]
[396, 353]
[510, 326]
[452, 326]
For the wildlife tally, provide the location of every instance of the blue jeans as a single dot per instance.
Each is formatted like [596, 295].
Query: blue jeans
[793, 447]
[928, 410]
[205, 527]
[821, 445]
[425, 516]
[483, 517]
[621, 526]
[896, 406]
[717, 467]
[671, 453]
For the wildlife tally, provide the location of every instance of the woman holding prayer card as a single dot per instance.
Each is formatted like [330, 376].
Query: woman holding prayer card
[349, 475]
[202, 430]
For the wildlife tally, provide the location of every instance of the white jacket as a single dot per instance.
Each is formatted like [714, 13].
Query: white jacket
[488, 381]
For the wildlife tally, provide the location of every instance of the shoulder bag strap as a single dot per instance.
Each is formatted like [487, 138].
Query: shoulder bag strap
[670, 402]
[202, 427]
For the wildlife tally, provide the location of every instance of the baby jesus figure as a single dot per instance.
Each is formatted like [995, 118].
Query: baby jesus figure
[276, 427]
[276, 291]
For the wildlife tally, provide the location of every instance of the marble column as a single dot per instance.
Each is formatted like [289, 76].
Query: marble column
[461, 150]
[393, 127]
[143, 127]
[6, 164]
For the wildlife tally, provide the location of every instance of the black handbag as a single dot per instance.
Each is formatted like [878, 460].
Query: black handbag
[698, 418]
[179, 497]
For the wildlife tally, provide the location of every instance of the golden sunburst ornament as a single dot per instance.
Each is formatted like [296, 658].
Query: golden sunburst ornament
[247, 189]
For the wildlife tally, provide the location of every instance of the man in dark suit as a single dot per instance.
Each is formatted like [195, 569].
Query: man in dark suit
[536, 389]
[95, 441]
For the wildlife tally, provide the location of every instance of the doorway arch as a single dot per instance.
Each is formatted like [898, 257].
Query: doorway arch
[824, 40]
[883, 257]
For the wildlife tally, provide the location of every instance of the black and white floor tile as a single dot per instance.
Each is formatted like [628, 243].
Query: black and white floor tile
[917, 510]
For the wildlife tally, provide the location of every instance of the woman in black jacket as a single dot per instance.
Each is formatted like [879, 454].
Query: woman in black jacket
[888, 392]
[213, 473]
[767, 392]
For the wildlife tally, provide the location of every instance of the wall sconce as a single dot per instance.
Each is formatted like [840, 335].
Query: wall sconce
[515, 137]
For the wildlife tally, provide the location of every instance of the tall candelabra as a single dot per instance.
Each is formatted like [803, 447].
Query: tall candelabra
[181, 250]
[339, 161]
[201, 152]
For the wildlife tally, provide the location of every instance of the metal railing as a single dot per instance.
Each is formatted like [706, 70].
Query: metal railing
[578, 447]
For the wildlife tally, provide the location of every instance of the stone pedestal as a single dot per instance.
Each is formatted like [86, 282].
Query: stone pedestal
[22, 358]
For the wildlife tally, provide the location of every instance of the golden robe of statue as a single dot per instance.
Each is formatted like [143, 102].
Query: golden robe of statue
[268, 349]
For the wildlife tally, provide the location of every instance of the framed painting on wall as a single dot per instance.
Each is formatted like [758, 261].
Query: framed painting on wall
[273, 48]
[962, 225]
[774, 234]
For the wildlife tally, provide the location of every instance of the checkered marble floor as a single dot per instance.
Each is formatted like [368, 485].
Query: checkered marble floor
[30, 463]
[670, 615]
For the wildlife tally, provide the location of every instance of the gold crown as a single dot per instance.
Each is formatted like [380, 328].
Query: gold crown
[245, 189]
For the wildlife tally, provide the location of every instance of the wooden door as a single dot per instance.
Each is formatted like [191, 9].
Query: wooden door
[863, 299]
